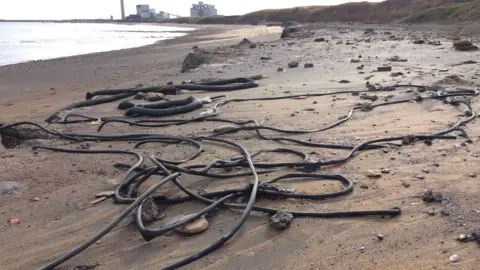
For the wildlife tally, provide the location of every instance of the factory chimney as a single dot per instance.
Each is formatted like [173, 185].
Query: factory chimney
[122, 6]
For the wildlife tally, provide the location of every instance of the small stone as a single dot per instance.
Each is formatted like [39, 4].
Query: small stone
[281, 220]
[431, 212]
[426, 170]
[421, 177]
[264, 58]
[310, 109]
[194, 227]
[355, 60]
[292, 115]
[150, 211]
[473, 175]
[97, 201]
[428, 142]
[362, 249]
[293, 64]
[364, 186]
[464, 238]
[374, 173]
[154, 97]
[315, 102]
[107, 194]
[380, 237]
[308, 65]
[36, 199]
[419, 41]
[13, 221]
[140, 96]
[385, 150]
[384, 69]
[454, 258]
[320, 39]
[385, 170]
[280, 69]
[344, 81]
[430, 197]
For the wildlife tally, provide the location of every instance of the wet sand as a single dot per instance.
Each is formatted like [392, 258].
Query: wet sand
[66, 184]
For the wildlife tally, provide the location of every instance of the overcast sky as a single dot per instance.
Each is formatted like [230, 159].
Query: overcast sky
[93, 9]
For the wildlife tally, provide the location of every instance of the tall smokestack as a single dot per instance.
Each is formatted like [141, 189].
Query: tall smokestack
[122, 5]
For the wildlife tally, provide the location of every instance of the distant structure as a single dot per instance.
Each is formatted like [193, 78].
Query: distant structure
[145, 13]
[122, 6]
[203, 10]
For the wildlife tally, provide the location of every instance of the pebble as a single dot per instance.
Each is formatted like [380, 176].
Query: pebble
[444, 212]
[107, 194]
[308, 65]
[384, 69]
[385, 170]
[36, 199]
[194, 227]
[473, 175]
[293, 64]
[99, 200]
[431, 212]
[426, 170]
[13, 221]
[154, 97]
[380, 237]
[279, 69]
[374, 173]
[310, 109]
[454, 258]
[281, 220]
[421, 177]
[344, 81]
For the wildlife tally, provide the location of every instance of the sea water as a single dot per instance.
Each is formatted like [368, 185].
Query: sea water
[27, 41]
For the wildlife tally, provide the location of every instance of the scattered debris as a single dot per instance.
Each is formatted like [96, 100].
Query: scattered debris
[384, 69]
[281, 220]
[280, 69]
[369, 97]
[396, 74]
[419, 41]
[430, 196]
[265, 58]
[374, 173]
[396, 58]
[320, 39]
[308, 65]
[344, 81]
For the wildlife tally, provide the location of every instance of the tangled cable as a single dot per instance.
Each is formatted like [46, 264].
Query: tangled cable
[244, 197]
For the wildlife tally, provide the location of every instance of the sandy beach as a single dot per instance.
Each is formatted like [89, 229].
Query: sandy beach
[54, 207]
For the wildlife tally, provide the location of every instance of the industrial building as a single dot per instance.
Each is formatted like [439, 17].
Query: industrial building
[144, 12]
[203, 10]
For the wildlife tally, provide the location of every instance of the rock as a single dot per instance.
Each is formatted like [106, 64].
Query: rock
[320, 39]
[253, 46]
[8, 188]
[421, 177]
[431, 212]
[430, 197]
[364, 186]
[152, 97]
[293, 64]
[369, 97]
[472, 175]
[288, 31]
[224, 128]
[140, 96]
[114, 182]
[462, 43]
[194, 227]
[36, 199]
[396, 74]
[308, 65]
[264, 58]
[454, 36]
[464, 238]
[380, 237]
[15, 136]
[281, 220]
[467, 48]
[354, 60]
[374, 173]
[369, 31]
[195, 59]
[97, 201]
[419, 41]
[339, 42]
[107, 194]
[150, 211]
[344, 81]
[280, 69]
[366, 107]
[454, 258]
[257, 77]
[384, 69]
[310, 109]
[444, 212]
[13, 221]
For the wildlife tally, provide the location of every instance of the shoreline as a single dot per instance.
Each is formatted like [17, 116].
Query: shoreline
[184, 32]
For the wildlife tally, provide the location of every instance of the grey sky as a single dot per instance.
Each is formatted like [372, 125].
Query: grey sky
[89, 9]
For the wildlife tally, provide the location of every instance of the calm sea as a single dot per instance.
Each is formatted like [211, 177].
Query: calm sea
[20, 42]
